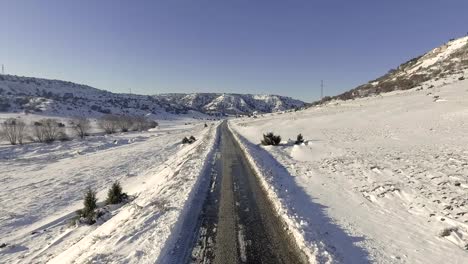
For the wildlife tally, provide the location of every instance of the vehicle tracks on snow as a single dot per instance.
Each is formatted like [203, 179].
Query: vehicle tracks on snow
[238, 223]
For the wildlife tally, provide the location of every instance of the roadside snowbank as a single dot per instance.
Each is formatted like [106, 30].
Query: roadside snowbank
[302, 215]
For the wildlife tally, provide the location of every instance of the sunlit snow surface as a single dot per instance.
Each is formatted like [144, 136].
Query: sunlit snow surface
[379, 179]
[41, 187]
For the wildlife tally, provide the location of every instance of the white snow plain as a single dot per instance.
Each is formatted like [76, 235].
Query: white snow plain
[382, 179]
[42, 185]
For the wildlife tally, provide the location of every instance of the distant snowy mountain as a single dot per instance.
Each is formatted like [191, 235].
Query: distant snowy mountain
[18, 94]
[447, 60]
[231, 103]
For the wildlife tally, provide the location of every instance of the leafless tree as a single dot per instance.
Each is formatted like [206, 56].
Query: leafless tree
[81, 126]
[48, 130]
[124, 122]
[37, 134]
[108, 123]
[13, 130]
[140, 123]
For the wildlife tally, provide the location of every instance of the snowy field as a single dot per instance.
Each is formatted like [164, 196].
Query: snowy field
[381, 179]
[42, 185]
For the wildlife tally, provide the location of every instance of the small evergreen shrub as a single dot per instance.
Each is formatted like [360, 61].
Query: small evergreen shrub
[271, 139]
[300, 139]
[189, 140]
[88, 213]
[461, 78]
[447, 231]
[115, 194]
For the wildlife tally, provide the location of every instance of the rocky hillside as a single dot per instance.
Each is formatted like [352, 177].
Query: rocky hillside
[447, 60]
[34, 95]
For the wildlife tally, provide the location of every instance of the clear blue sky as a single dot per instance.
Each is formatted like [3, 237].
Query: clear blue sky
[243, 46]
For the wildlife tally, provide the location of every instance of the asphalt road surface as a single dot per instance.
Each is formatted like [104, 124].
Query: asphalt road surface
[237, 223]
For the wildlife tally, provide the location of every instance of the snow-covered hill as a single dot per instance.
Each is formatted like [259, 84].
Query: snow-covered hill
[19, 94]
[380, 179]
[450, 59]
[231, 103]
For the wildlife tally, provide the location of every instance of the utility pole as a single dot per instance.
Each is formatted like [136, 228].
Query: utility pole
[3, 69]
[321, 90]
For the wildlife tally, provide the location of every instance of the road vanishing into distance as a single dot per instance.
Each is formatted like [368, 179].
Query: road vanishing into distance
[237, 223]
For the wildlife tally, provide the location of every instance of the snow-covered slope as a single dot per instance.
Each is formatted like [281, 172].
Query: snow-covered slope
[42, 186]
[380, 179]
[446, 60]
[18, 94]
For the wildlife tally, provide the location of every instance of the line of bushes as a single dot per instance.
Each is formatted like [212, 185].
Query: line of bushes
[270, 139]
[90, 212]
[48, 130]
[124, 123]
[45, 130]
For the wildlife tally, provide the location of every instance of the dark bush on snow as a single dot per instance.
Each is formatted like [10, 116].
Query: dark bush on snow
[88, 213]
[300, 139]
[115, 194]
[271, 139]
[189, 140]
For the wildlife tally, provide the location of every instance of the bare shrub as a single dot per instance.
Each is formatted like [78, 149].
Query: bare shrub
[48, 130]
[141, 123]
[108, 123]
[13, 130]
[124, 122]
[52, 130]
[37, 133]
[81, 126]
[271, 139]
